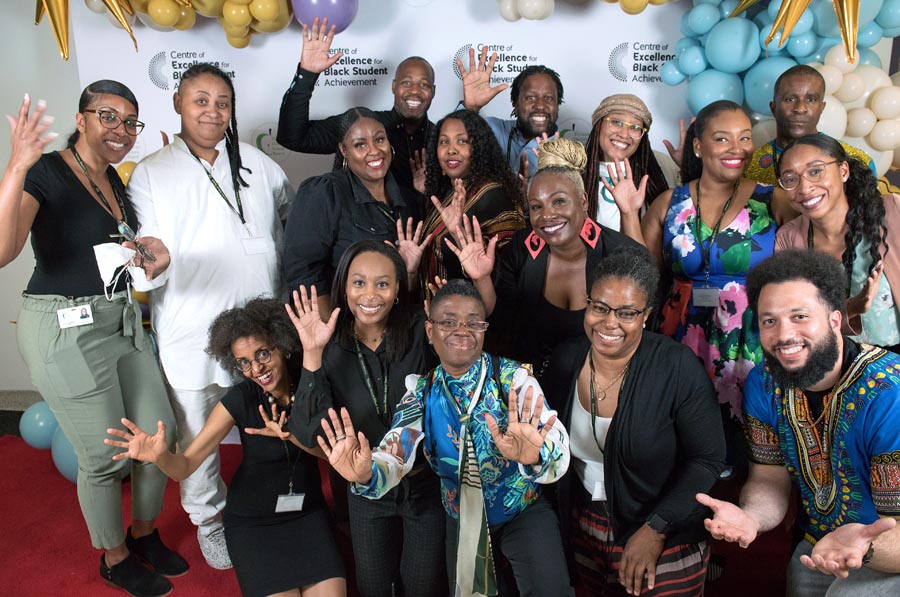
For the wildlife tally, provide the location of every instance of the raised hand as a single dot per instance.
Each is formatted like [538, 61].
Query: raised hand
[862, 302]
[348, 452]
[29, 135]
[640, 556]
[312, 331]
[452, 213]
[629, 198]
[476, 258]
[274, 424]
[729, 522]
[410, 244]
[677, 153]
[522, 440]
[842, 550]
[417, 165]
[477, 90]
[138, 444]
[315, 56]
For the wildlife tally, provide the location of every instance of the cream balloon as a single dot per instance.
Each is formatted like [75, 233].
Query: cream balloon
[633, 7]
[208, 8]
[833, 121]
[549, 5]
[873, 78]
[882, 159]
[237, 15]
[885, 102]
[851, 89]
[885, 135]
[763, 132]
[531, 9]
[112, 19]
[264, 10]
[832, 75]
[164, 13]
[96, 6]
[837, 58]
[860, 122]
[149, 22]
[509, 9]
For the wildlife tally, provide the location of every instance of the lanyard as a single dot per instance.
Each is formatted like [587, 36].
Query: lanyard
[287, 455]
[97, 190]
[706, 252]
[383, 410]
[385, 212]
[809, 238]
[237, 192]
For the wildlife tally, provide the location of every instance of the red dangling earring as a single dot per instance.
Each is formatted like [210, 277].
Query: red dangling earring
[534, 244]
[590, 232]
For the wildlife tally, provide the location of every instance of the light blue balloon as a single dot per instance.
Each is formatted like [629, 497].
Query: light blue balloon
[774, 7]
[889, 15]
[712, 85]
[727, 7]
[702, 18]
[869, 35]
[825, 20]
[825, 44]
[868, 10]
[670, 73]
[64, 456]
[759, 81]
[773, 49]
[37, 426]
[686, 26]
[684, 43]
[804, 23]
[892, 32]
[804, 44]
[692, 61]
[866, 56]
[713, 2]
[733, 45]
[762, 19]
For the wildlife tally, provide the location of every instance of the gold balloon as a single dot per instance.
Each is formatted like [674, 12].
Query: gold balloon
[285, 14]
[58, 11]
[140, 5]
[126, 6]
[187, 19]
[39, 11]
[847, 12]
[787, 17]
[236, 14]
[124, 170]
[238, 42]
[115, 7]
[164, 13]
[208, 8]
[233, 30]
[264, 10]
[744, 5]
[633, 7]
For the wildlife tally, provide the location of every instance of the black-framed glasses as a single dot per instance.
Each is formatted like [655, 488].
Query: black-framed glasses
[451, 325]
[262, 356]
[634, 130]
[813, 173]
[623, 314]
[109, 119]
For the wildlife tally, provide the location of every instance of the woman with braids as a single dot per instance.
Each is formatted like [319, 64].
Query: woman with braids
[277, 527]
[843, 215]
[101, 369]
[537, 297]
[216, 203]
[466, 170]
[620, 126]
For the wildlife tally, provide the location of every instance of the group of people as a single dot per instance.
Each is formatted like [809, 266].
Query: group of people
[530, 359]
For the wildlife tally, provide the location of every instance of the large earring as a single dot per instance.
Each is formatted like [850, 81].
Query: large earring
[534, 244]
[393, 152]
[590, 232]
[345, 164]
[396, 300]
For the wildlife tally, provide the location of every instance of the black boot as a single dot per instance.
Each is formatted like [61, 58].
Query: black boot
[151, 550]
[132, 577]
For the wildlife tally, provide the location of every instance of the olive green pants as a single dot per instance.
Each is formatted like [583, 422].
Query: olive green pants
[91, 376]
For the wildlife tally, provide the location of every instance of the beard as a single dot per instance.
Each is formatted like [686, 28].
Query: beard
[822, 359]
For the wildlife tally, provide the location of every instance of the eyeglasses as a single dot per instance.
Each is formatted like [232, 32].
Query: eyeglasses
[623, 314]
[814, 173]
[451, 325]
[262, 356]
[109, 119]
[633, 130]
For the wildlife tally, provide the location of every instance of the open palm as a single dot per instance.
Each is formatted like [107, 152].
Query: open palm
[348, 453]
[315, 56]
[522, 440]
[477, 90]
[476, 258]
[138, 444]
[312, 331]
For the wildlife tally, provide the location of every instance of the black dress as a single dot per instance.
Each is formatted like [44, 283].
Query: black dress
[274, 552]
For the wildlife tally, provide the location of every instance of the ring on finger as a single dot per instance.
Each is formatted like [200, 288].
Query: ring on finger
[340, 437]
[527, 421]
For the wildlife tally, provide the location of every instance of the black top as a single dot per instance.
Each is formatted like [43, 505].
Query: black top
[522, 311]
[340, 382]
[68, 224]
[264, 471]
[665, 443]
[298, 133]
[331, 212]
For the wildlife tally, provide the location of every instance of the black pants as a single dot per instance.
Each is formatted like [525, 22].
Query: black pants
[532, 543]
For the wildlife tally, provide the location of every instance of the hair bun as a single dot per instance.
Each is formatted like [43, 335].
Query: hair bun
[562, 152]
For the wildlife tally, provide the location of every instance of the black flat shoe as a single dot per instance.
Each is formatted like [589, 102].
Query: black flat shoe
[134, 578]
[151, 550]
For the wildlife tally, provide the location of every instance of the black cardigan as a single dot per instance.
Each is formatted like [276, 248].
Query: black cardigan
[665, 443]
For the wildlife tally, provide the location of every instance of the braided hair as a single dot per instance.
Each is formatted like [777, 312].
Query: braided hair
[232, 144]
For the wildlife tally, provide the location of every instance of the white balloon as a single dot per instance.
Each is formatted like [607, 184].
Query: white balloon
[836, 57]
[851, 89]
[895, 164]
[96, 6]
[549, 5]
[885, 102]
[860, 122]
[112, 19]
[833, 121]
[763, 132]
[146, 20]
[531, 9]
[832, 75]
[873, 78]
[882, 159]
[885, 136]
[509, 9]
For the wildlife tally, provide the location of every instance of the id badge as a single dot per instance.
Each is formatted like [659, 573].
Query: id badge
[71, 317]
[255, 245]
[705, 297]
[290, 502]
[599, 494]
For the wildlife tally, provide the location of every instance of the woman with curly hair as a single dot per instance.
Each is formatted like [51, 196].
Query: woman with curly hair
[843, 215]
[275, 518]
[466, 168]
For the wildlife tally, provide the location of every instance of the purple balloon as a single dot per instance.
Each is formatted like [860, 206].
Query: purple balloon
[339, 13]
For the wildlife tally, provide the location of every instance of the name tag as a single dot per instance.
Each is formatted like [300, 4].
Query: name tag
[290, 502]
[255, 245]
[71, 317]
[705, 297]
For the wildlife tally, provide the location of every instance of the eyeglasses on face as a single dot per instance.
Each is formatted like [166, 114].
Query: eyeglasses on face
[262, 356]
[813, 173]
[634, 130]
[451, 325]
[109, 119]
[623, 314]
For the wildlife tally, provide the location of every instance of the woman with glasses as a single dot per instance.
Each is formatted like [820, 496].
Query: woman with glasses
[487, 434]
[93, 370]
[645, 435]
[277, 527]
[842, 214]
[359, 360]
[620, 126]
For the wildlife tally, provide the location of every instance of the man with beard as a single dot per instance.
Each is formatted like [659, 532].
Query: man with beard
[797, 104]
[406, 124]
[536, 94]
[824, 412]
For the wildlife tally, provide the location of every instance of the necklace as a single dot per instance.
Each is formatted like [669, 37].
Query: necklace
[600, 395]
[364, 340]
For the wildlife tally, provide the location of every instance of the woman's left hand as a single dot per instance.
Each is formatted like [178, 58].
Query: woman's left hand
[629, 199]
[274, 425]
[639, 557]
[158, 249]
[410, 244]
[862, 302]
[522, 440]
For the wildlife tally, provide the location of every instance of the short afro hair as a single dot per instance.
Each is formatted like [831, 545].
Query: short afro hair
[629, 264]
[262, 318]
[819, 269]
[457, 287]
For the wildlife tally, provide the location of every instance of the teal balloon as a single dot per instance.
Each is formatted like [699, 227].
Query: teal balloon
[703, 17]
[684, 43]
[670, 73]
[727, 7]
[64, 456]
[892, 32]
[733, 45]
[37, 426]
[866, 56]
[804, 23]
[712, 85]
[869, 35]
[762, 19]
[774, 7]
[868, 11]
[825, 44]
[759, 81]
[713, 2]
[686, 26]
[692, 61]
[889, 16]
[804, 44]
[825, 21]
[772, 49]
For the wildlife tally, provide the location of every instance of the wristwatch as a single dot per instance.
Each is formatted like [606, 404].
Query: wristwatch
[870, 553]
[659, 525]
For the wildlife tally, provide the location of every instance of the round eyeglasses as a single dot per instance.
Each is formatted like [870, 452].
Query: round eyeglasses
[813, 173]
[109, 119]
[262, 356]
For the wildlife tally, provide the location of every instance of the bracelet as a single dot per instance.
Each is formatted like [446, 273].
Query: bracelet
[870, 553]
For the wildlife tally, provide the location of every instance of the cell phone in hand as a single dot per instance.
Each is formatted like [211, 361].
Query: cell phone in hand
[129, 235]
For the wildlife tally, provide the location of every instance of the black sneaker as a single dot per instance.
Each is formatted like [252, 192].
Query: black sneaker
[151, 550]
[134, 578]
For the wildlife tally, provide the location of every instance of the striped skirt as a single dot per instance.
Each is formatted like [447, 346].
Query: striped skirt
[680, 570]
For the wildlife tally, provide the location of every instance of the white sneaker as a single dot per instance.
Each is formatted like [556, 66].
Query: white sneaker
[213, 548]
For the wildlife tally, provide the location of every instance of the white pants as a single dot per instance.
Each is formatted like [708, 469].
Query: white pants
[203, 493]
